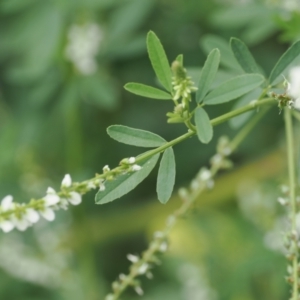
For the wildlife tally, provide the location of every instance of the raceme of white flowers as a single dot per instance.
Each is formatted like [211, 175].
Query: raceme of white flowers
[83, 45]
[21, 216]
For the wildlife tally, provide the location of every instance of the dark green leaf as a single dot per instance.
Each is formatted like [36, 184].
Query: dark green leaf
[123, 184]
[159, 61]
[284, 61]
[147, 91]
[135, 137]
[234, 88]
[208, 74]
[243, 56]
[166, 176]
[204, 128]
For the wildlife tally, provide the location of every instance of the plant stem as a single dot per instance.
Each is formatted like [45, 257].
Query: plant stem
[292, 183]
[214, 122]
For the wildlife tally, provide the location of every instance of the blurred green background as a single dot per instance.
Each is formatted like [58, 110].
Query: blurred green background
[63, 65]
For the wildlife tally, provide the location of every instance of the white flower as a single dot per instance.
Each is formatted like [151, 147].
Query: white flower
[143, 268]
[136, 168]
[294, 86]
[6, 226]
[106, 169]
[131, 160]
[75, 198]
[139, 290]
[132, 258]
[51, 198]
[205, 174]
[20, 223]
[31, 215]
[101, 187]
[48, 214]
[67, 181]
[91, 185]
[7, 203]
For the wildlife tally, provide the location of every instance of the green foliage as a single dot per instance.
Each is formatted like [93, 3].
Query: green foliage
[234, 88]
[166, 176]
[135, 137]
[208, 74]
[159, 61]
[243, 56]
[147, 91]
[125, 183]
[204, 128]
[284, 61]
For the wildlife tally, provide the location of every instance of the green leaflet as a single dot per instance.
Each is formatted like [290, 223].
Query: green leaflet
[234, 88]
[204, 128]
[123, 184]
[284, 61]
[179, 58]
[147, 91]
[243, 56]
[208, 74]
[159, 61]
[135, 137]
[166, 176]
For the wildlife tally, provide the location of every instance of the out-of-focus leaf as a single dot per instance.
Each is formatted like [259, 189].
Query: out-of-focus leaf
[204, 128]
[234, 88]
[208, 74]
[147, 91]
[209, 42]
[179, 58]
[166, 176]
[99, 90]
[123, 184]
[243, 56]
[285, 60]
[135, 137]
[159, 61]
[240, 120]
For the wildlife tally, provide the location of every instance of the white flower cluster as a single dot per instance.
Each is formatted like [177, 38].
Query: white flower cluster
[21, 216]
[293, 88]
[83, 46]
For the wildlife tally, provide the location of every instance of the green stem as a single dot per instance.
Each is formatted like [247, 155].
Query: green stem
[214, 122]
[292, 183]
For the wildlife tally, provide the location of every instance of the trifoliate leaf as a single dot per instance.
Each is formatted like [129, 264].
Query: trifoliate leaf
[159, 61]
[166, 176]
[147, 91]
[135, 137]
[208, 74]
[234, 88]
[203, 125]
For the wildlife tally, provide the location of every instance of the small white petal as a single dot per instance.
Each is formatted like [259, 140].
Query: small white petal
[48, 214]
[75, 198]
[106, 169]
[7, 226]
[131, 160]
[50, 190]
[31, 215]
[143, 268]
[6, 203]
[139, 290]
[91, 185]
[132, 258]
[20, 224]
[136, 168]
[67, 181]
[102, 187]
[51, 199]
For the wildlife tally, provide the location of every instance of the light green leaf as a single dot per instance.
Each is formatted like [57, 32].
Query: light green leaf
[243, 56]
[284, 61]
[166, 176]
[234, 88]
[204, 128]
[135, 137]
[147, 91]
[159, 61]
[208, 74]
[123, 184]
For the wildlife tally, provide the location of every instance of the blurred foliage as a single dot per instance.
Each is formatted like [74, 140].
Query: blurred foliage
[53, 116]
